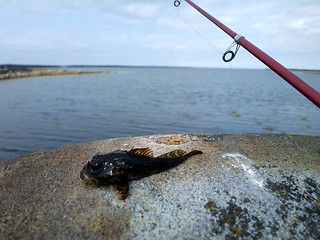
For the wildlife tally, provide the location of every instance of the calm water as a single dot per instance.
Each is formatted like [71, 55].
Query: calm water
[42, 113]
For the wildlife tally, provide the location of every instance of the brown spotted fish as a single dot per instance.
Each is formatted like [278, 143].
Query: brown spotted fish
[119, 167]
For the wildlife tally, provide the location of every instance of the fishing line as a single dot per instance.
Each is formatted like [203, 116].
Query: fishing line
[305, 89]
[228, 61]
[197, 32]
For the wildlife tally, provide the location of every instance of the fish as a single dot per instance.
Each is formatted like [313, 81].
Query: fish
[119, 167]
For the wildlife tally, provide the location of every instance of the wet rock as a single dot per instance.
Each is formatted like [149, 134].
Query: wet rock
[244, 186]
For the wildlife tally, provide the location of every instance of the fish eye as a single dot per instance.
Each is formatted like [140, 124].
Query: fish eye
[96, 165]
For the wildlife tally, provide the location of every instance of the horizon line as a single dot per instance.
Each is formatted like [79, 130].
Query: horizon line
[134, 66]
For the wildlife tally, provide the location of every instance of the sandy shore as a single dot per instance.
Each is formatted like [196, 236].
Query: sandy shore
[18, 72]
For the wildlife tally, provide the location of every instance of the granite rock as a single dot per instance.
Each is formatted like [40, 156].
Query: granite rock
[244, 186]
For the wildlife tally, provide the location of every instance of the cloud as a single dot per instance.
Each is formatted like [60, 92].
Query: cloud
[147, 29]
[141, 10]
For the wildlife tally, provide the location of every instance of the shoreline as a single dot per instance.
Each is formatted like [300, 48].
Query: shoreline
[12, 72]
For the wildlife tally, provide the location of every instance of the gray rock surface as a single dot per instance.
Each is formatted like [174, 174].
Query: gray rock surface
[244, 186]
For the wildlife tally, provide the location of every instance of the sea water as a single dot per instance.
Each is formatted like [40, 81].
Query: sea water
[40, 113]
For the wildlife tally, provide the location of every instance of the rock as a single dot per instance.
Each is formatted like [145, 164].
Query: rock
[244, 186]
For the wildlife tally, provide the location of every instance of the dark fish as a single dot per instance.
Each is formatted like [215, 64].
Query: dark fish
[119, 167]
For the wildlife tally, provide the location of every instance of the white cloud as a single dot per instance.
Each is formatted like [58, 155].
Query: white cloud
[141, 10]
[287, 27]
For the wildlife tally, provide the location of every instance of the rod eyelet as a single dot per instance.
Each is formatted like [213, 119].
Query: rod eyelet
[225, 58]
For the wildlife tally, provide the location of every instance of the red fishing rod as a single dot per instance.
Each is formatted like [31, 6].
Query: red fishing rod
[239, 40]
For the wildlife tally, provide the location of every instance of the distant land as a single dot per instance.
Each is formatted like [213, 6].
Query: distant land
[9, 71]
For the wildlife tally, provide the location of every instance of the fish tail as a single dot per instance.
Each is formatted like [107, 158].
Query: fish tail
[194, 152]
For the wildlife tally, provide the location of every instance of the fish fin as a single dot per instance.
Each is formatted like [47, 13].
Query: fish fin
[174, 154]
[146, 152]
[194, 152]
[121, 188]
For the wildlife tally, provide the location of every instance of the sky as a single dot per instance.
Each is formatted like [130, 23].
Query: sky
[155, 33]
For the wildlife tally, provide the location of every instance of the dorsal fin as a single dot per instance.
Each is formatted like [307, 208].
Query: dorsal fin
[146, 152]
[174, 154]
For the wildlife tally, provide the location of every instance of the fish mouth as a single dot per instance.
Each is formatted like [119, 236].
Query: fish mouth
[88, 180]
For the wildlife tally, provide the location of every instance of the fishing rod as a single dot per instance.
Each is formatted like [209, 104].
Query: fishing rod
[239, 40]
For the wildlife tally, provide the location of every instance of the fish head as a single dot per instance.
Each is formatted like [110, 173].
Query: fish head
[104, 169]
